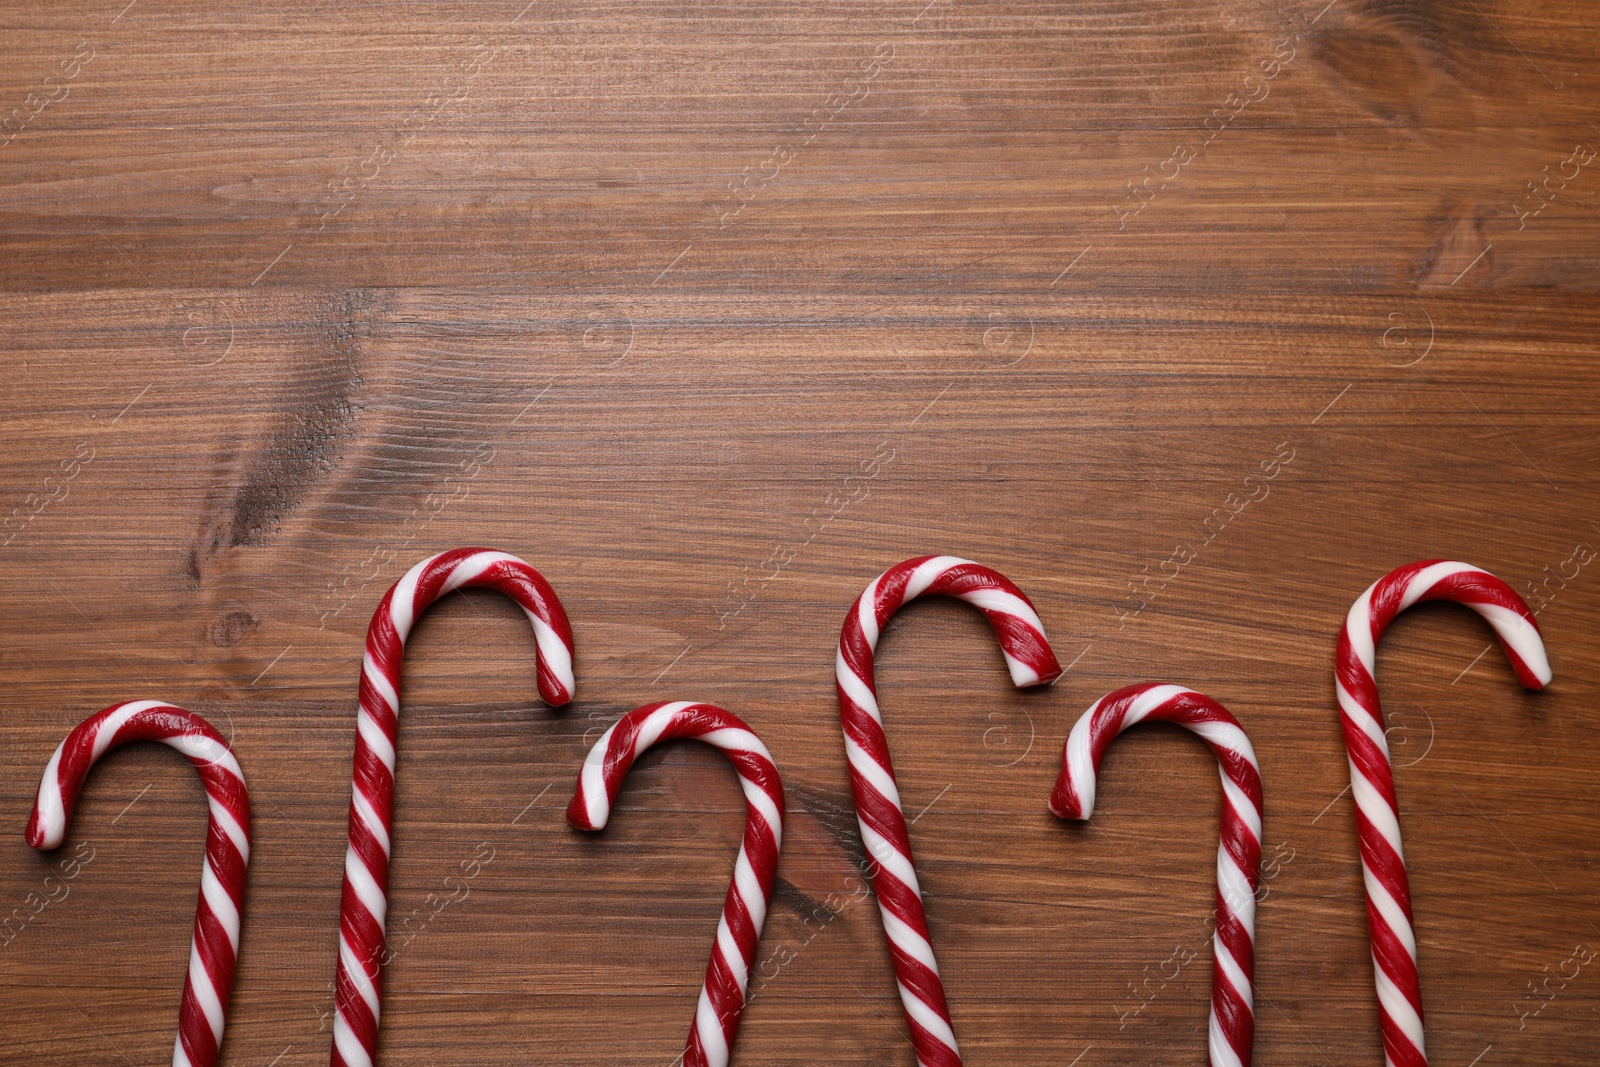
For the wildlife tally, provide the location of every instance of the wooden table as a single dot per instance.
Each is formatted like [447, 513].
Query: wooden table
[713, 314]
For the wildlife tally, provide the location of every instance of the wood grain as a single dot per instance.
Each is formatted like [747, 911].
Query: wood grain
[713, 313]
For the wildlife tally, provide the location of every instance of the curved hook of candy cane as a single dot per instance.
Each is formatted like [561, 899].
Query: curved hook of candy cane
[358, 985]
[1232, 1027]
[883, 825]
[214, 951]
[1383, 868]
[722, 997]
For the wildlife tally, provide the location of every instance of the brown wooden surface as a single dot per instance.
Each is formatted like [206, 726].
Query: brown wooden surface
[299, 293]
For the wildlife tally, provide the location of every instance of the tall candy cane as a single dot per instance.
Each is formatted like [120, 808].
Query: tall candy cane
[214, 951]
[722, 997]
[878, 810]
[1383, 866]
[358, 987]
[1233, 1022]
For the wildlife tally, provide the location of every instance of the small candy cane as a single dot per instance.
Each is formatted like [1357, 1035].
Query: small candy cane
[1233, 1023]
[878, 810]
[358, 988]
[722, 997]
[1383, 865]
[214, 951]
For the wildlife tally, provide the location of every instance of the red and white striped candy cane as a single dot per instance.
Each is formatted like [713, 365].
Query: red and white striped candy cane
[358, 987]
[733, 954]
[214, 951]
[878, 810]
[1383, 867]
[1233, 1021]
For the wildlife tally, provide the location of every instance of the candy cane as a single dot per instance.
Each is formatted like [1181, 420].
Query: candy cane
[722, 997]
[358, 987]
[1233, 1022]
[878, 810]
[214, 951]
[1383, 867]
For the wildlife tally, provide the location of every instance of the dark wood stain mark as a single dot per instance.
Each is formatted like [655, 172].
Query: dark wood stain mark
[306, 446]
